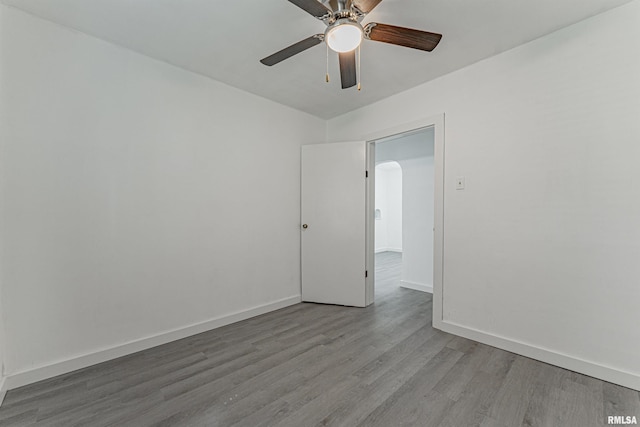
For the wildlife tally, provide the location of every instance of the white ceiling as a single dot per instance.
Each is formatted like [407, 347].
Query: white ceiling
[225, 40]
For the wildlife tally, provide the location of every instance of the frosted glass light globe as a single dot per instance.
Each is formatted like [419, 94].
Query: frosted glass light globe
[344, 37]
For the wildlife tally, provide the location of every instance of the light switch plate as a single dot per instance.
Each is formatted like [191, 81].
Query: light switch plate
[460, 183]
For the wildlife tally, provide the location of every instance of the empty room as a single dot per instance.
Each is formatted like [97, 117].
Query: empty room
[206, 218]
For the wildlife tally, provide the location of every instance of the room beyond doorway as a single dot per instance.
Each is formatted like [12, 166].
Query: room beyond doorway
[404, 205]
[388, 207]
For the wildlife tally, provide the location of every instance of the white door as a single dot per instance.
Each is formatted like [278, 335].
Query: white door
[333, 223]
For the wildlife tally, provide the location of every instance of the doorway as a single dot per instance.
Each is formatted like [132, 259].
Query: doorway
[337, 217]
[404, 212]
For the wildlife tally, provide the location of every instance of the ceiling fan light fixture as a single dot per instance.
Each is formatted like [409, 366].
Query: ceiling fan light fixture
[344, 36]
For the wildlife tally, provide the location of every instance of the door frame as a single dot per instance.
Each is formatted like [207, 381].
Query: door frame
[437, 123]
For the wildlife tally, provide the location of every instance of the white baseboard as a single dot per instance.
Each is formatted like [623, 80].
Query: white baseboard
[416, 286]
[3, 389]
[40, 373]
[379, 250]
[606, 373]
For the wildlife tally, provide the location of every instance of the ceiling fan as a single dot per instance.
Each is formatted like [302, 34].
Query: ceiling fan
[344, 34]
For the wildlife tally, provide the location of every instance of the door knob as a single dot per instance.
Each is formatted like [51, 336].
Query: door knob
[305, 226]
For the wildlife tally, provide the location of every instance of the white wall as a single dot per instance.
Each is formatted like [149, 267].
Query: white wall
[381, 238]
[137, 198]
[388, 229]
[417, 218]
[3, 385]
[2, 112]
[542, 248]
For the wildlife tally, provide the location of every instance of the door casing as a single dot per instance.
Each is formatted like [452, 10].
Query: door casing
[437, 123]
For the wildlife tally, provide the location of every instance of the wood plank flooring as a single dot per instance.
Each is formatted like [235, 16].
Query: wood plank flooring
[322, 365]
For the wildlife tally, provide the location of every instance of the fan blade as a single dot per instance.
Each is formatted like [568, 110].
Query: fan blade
[348, 69]
[365, 6]
[402, 36]
[333, 4]
[294, 49]
[313, 7]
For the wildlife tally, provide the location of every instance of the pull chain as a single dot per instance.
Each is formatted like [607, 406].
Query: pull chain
[327, 76]
[359, 68]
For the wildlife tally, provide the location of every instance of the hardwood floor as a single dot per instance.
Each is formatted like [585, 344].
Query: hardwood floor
[317, 365]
